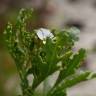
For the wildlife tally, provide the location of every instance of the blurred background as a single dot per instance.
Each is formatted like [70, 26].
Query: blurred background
[53, 14]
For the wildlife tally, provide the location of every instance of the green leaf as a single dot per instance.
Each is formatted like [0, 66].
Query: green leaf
[71, 81]
[73, 63]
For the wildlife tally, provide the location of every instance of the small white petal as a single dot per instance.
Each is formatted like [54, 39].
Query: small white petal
[43, 33]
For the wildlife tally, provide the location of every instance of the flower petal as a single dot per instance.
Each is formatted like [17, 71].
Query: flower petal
[43, 33]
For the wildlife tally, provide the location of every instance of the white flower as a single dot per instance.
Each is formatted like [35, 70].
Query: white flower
[43, 33]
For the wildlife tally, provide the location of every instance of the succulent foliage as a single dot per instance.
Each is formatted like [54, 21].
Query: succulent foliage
[33, 56]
